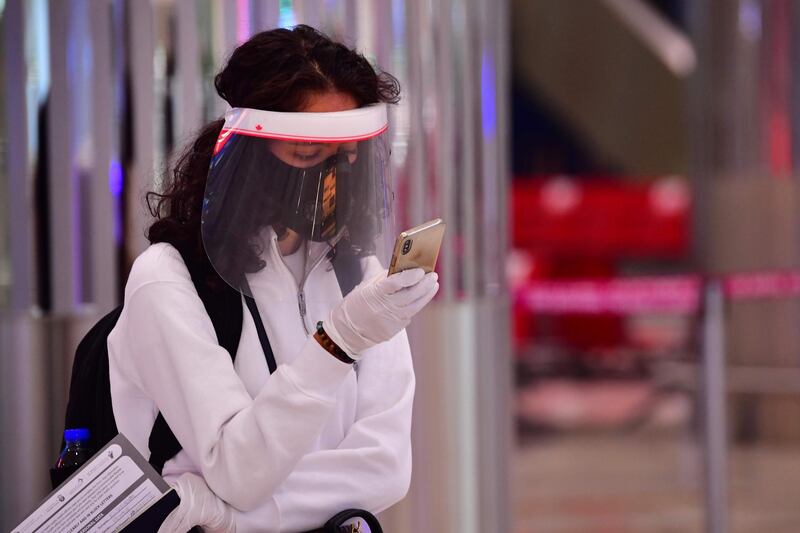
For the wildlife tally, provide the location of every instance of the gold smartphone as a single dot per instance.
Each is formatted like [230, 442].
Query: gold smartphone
[418, 247]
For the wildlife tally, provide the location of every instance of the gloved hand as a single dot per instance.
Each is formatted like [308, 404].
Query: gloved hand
[377, 310]
[199, 507]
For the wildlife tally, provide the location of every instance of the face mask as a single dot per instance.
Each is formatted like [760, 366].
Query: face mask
[314, 201]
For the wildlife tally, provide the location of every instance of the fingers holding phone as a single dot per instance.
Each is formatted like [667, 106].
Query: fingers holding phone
[378, 309]
[412, 288]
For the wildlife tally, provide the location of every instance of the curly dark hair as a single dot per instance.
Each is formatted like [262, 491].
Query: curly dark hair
[276, 70]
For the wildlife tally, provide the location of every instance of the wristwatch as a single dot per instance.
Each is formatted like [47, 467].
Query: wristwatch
[330, 346]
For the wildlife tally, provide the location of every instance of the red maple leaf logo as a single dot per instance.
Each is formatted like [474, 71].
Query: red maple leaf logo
[258, 127]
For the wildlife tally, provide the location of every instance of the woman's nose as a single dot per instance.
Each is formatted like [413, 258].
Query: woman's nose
[351, 149]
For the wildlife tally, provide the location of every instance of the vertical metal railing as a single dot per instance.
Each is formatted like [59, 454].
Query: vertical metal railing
[714, 409]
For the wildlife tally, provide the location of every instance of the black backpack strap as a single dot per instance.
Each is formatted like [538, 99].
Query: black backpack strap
[162, 443]
[224, 308]
[266, 347]
[347, 267]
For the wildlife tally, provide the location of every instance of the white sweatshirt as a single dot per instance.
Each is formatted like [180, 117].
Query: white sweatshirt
[288, 450]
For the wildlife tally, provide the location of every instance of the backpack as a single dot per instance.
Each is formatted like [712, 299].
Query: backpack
[89, 402]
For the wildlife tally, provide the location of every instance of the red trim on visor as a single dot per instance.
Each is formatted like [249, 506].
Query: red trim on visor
[285, 137]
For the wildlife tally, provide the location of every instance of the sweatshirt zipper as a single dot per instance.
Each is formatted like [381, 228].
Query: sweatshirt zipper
[301, 303]
[301, 295]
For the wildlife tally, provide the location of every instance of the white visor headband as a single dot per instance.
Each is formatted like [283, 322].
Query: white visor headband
[337, 126]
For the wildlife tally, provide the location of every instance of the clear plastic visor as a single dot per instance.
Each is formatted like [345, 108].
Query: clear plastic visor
[278, 193]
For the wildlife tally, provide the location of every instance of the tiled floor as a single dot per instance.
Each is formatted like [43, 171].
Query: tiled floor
[650, 483]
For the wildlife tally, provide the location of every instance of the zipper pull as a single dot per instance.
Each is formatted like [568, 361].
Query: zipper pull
[301, 301]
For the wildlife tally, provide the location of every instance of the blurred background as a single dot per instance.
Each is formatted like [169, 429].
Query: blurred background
[616, 346]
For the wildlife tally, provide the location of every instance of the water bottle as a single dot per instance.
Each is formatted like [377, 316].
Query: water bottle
[77, 450]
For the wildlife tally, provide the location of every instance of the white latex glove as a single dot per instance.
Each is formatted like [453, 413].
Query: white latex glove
[377, 310]
[199, 507]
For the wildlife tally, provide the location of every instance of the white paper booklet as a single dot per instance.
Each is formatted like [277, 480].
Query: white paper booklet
[115, 490]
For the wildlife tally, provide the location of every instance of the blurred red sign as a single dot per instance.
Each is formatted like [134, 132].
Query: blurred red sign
[662, 294]
[608, 218]
[669, 294]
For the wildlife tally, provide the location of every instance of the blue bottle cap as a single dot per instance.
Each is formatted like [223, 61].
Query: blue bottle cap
[76, 434]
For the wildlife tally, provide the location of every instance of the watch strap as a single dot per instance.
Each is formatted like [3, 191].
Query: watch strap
[330, 346]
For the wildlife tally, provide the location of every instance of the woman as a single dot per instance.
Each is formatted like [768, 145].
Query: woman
[286, 203]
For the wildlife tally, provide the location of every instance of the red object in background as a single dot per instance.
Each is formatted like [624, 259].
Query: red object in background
[577, 330]
[586, 332]
[601, 218]
[577, 228]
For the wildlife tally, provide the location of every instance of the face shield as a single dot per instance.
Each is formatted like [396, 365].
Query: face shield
[314, 186]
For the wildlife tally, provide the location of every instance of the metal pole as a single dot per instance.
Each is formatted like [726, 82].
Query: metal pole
[715, 411]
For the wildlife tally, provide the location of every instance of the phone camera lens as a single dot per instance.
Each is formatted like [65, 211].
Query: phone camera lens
[406, 247]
